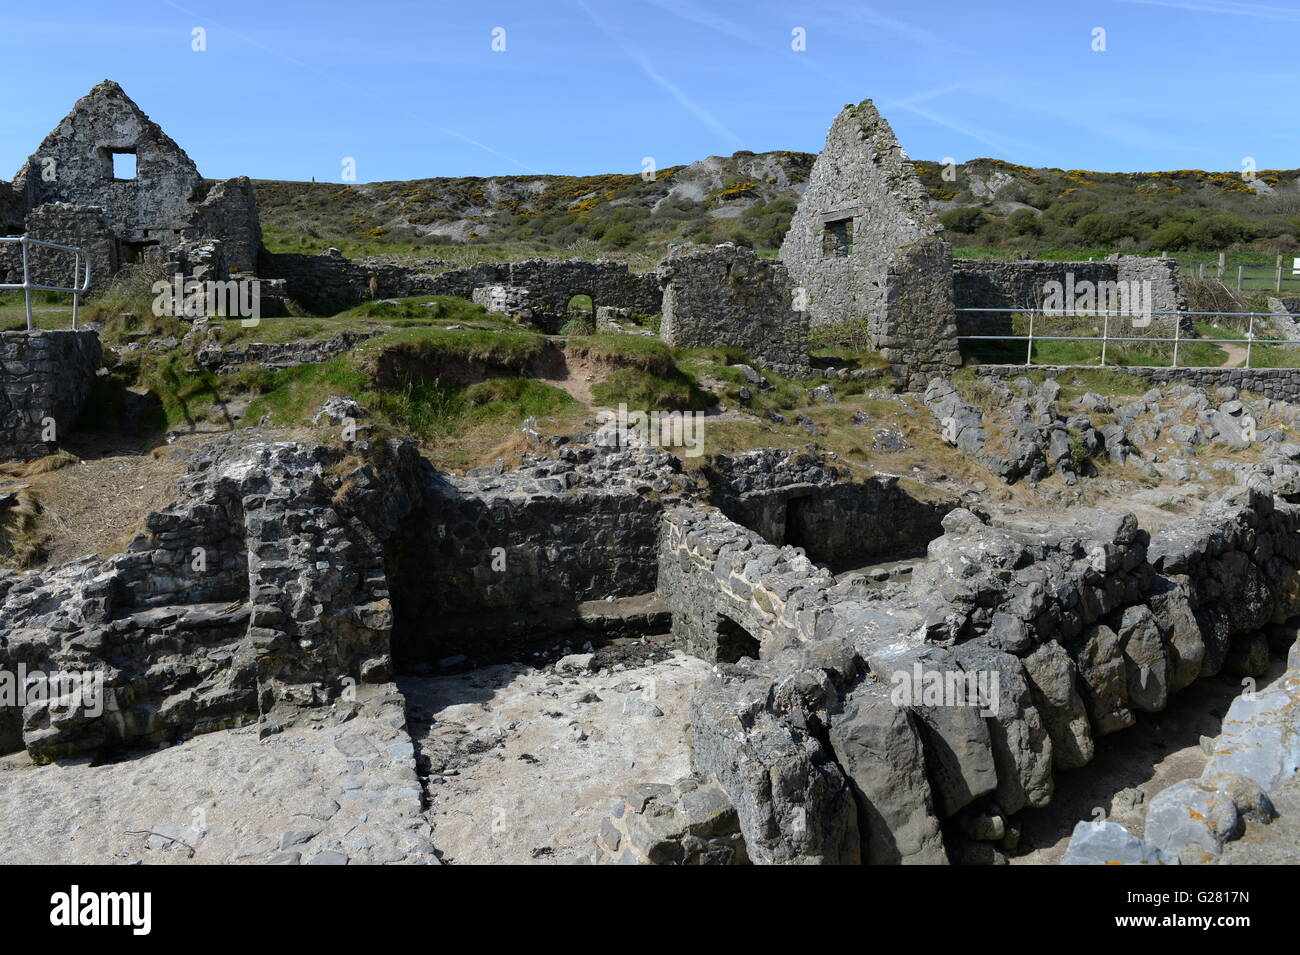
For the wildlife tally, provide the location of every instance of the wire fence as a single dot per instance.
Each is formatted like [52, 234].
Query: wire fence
[80, 274]
[1279, 278]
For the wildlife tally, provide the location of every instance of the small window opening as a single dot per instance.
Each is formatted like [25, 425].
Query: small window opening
[735, 642]
[837, 240]
[123, 165]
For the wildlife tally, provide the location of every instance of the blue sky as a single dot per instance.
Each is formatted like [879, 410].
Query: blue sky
[286, 89]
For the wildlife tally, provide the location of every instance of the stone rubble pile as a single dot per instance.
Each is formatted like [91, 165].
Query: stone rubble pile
[1165, 433]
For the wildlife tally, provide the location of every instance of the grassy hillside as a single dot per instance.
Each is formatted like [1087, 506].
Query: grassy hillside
[989, 208]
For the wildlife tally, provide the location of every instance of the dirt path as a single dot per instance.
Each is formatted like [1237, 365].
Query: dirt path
[1236, 355]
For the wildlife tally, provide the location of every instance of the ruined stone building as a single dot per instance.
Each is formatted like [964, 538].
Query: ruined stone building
[864, 245]
[109, 180]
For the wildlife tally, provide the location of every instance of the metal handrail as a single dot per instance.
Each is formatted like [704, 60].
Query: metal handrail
[1117, 312]
[1249, 341]
[28, 286]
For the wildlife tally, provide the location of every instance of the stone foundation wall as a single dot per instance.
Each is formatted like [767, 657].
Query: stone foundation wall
[44, 375]
[797, 498]
[496, 559]
[729, 296]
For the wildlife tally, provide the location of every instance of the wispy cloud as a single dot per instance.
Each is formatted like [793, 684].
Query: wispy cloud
[880, 21]
[684, 99]
[1258, 10]
[334, 78]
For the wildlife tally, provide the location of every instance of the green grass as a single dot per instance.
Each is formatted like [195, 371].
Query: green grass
[516, 348]
[635, 351]
[642, 391]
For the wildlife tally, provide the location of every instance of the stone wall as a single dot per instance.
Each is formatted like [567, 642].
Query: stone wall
[729, 296]
[503, 299]
[138, 217]
[261, 590]
[496, 559]
[330, 283]
[12, 209]
[979, 283]
[716, 576]
[44, 375]
[228, 214]
[1280, 384]
[74, 164]
[862, 176]
[916, 332]
[797, 498]
[80, 226]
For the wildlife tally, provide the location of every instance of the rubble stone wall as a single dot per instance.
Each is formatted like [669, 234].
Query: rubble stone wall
[1280, 384]
[729, 296]
[494, 558]
[228, 213]
[43, 375]
[80, 226]
[865, 246]
[256, 590]
[978, 283]
[795, 498]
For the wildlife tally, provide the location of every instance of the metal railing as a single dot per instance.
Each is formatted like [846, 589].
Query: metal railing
[1178, 338]
[28, 286]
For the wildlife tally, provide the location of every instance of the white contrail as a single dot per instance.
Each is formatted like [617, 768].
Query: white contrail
[1257, 10]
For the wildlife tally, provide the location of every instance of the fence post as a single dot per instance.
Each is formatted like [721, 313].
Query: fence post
[1278, 284]
[1105, 335]
[27, 282]
[1178, 327]
[1250, 339]
[1200, 270]
[76, 281]
[1223, 261]
[1029, 353]
[1240, 272]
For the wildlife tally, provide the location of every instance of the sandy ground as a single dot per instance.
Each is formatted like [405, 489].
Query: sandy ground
[525, 763]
